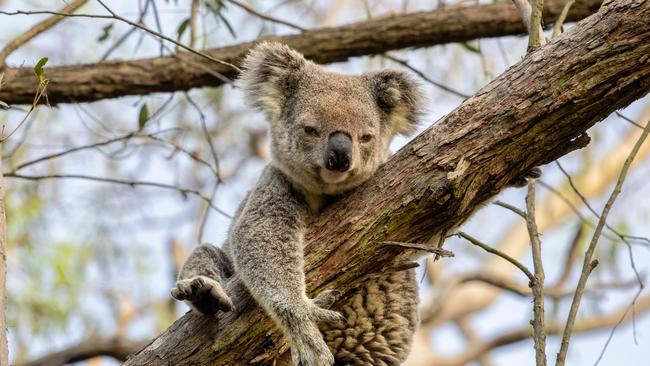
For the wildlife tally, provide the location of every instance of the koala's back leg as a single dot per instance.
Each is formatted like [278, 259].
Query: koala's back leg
[381, 319]
[201, 278]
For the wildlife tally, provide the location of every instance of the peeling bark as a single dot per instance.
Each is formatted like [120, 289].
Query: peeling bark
[534, 113]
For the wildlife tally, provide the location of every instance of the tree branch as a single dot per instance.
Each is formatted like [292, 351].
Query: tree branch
[433, 184]
[38, 29]
[84, 83]
[117, 348]
[588, 264]
[539, 336]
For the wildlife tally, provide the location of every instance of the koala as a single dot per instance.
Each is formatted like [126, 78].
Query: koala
[329, 133]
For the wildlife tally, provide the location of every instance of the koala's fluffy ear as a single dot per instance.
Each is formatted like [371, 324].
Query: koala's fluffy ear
[270, 73]
[399, 97]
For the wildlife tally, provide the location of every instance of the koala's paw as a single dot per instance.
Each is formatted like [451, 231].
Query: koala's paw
[522, 180]
[326, 298]
[309, 349]
[204, 294]
[320, 312]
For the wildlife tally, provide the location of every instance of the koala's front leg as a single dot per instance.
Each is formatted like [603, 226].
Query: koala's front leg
[201, 278]
[267, 249]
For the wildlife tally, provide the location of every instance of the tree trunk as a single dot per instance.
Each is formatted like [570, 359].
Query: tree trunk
[534, 113]
[85, 83]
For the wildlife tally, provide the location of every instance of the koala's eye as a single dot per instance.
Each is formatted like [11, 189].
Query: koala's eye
[310, 131]
[366, 138]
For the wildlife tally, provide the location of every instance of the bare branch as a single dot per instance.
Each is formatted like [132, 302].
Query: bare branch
[38, 29]
[489, 249]
[83, 83]
[538, 285]
[182, 190]
[555, 292]
[512, 208]
[424, 77]
[117, 348]
[557, 27]
[584, 326]
[532, 21]
[114, 16]
[588, 265]
[535, 31]
[252, 11]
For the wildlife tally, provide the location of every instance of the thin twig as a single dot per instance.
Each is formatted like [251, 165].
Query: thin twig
[423, 76]
[627, 119]
[425, 247]
[40, 92]
[71, 150]
[153, 136]
[206, 134]
[539, 336]
[489, 249]
[114, 16]
[205, 213]
[183, 191]
[128, 34]
[620, 236]
[583, 219]
[193, 11]
[37, 29]
[252, 11]
[588, 264]
[512, 208]
[557, 27]
[160, 35]
[555, 292]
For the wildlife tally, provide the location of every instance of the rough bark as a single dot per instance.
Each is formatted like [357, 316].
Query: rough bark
[534, 113]
[85, 83]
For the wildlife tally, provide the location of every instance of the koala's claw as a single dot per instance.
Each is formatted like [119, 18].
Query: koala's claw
[205, 294]
[327, 298]
[322, 302]
[327, 316]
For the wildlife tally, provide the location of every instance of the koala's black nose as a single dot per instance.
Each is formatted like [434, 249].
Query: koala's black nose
[339, 152]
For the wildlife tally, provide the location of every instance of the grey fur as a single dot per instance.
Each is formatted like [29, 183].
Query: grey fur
[305, 104]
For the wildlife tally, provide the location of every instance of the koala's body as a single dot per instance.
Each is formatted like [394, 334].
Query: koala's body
[329, 133]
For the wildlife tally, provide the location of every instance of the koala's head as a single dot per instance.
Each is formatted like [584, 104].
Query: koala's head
[329, 132]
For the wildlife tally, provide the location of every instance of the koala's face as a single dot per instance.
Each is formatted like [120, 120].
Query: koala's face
[329, 132]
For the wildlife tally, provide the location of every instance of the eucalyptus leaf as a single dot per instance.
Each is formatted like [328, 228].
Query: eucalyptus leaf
[106, 32]
[38, 69]
[143, 116]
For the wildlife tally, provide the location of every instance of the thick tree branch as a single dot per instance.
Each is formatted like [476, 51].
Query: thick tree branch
[534, 113]
[84, 83]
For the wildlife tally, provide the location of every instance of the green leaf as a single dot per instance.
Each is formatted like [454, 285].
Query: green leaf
[471, 48]
[143, 116]
[106, 31]
[182, 28]
[227, 24]
[4, 105]
[38, 69]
